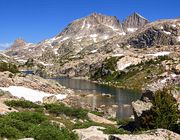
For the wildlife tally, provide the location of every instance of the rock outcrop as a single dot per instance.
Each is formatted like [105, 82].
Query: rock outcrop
[4, 109]
[31, 81]
[99, 119]
[158, 134]
[91, 133]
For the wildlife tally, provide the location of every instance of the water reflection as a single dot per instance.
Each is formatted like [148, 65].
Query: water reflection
[120, 97]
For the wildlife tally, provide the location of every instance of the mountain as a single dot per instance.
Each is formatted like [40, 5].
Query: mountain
[75, 37]
[158, 36]
[20, 49]
[78, 35]
[85, 43]
[134, 22]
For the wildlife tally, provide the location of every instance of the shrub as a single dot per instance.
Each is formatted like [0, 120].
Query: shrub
[80, 125]
[164, 113]
[47, 131]
[22, 103]
[58, 109]
[8, 67]
[114, 130]
[124, 121]
[29, 63]
[28, 117]
[28, 124]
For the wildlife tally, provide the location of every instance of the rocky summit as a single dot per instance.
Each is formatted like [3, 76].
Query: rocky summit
[134, 22]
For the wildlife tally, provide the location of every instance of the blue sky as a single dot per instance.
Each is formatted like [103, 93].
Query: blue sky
[36, 20]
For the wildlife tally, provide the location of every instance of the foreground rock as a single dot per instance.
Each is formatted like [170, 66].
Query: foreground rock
[91, 133]
[158, 134]
[95, 133]
[99, 119]
[4, 109]
[140, 108]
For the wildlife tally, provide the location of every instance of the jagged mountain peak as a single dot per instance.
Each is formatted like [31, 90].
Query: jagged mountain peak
[137, 15]
[95, 23]
[134, 22]
[19, 42]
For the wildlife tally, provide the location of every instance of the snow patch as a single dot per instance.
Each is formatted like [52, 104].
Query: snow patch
[123, 33]
[159, 54]
[178, 38]
[88, 25]
[55, 51]
[106, 37]
[128, 46]
[84, 23]
[93, 35]
[174, 25]
[113, 28]
[122, 67]
[117, 55]
[4, 61]
[94, 51]
[21, 60]
[131, 29]
[45, 64]
[79, 37]
[118, 45]
[162, 27]
[168, 33]
[30, 94]
[66, 38]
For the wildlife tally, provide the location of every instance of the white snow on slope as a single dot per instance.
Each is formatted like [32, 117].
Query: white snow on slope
[123, 33]
[178, 38]
[168, 33]
[159, 54]
[30, 94]
[94, 51]
[131, 29]
[174, 25]
[45, 64]
[88, 25]
[113, 28]
[117, 55]
[84, 23]
[105, 36]
[122, 67]
[93, 35]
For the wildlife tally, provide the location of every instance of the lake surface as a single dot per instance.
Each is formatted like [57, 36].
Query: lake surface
[120, 97]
